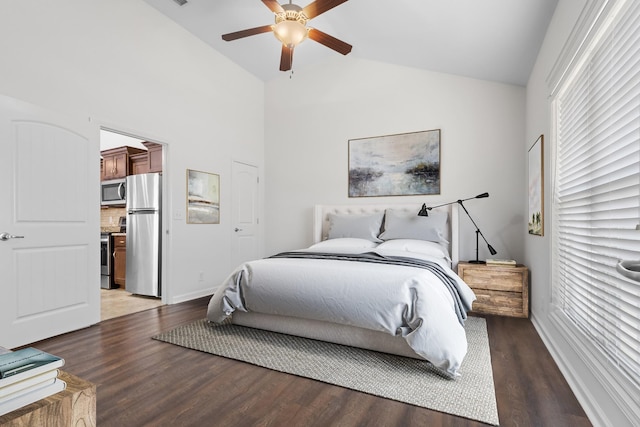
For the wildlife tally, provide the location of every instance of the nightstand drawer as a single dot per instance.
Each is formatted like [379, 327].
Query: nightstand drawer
[494, 279]
[498, 302]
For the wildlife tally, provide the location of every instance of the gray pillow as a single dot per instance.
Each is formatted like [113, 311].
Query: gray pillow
[408, 225]
[358, 226]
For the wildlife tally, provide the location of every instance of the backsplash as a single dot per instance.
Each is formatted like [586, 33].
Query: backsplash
[109, 218]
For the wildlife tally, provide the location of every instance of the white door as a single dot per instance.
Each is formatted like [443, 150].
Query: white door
[244, 211]
[49, 261]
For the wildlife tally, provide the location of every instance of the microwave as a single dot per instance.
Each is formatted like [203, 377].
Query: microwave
[113, 192]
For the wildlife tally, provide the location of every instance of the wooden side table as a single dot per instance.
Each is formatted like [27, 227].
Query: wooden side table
[501, 290]
[74, 406]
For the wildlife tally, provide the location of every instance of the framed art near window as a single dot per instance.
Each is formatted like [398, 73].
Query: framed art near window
[395, 165]
[203, 197]
[536, 187]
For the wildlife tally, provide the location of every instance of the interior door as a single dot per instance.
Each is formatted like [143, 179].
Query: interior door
[49, 261]
[245, 241]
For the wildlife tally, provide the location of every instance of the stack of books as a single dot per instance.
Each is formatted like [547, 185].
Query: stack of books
[27, 376]
[501, 262]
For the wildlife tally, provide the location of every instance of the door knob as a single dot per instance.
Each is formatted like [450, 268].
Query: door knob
[6, 236]
[237, 229]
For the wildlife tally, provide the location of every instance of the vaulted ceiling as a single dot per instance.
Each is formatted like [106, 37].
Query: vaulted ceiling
[496, 40]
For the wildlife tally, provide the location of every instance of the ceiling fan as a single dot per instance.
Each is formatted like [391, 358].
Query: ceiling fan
[291, 28]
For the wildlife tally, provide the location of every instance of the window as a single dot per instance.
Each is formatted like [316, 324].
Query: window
[596, 189]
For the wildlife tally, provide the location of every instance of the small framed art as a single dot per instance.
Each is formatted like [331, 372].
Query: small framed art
[536, 187]
[203, 197]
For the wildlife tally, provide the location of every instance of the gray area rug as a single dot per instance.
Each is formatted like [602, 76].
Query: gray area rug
[403, 379]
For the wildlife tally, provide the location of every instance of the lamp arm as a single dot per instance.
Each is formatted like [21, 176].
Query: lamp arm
[479, 196]
[475, 225]
[444, 204]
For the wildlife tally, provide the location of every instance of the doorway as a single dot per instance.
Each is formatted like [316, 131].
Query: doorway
[245, 245]
[122, 155]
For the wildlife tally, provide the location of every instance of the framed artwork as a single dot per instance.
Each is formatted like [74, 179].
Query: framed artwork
[404, 164]
[536, 187]
[203, 197]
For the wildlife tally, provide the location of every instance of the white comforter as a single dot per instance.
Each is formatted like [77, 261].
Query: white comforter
[399, 300]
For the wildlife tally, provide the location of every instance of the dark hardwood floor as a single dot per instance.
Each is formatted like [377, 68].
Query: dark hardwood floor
[144, 382]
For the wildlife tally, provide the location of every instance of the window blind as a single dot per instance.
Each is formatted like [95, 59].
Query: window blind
[596, 200]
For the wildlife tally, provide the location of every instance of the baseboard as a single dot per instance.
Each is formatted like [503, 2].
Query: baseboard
[588, 403]
[176, 299]
[598, 415]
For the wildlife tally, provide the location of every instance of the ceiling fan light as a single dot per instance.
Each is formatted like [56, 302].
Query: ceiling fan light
[290, 33]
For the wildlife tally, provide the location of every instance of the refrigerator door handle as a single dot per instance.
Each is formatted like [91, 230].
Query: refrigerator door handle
[143, 211]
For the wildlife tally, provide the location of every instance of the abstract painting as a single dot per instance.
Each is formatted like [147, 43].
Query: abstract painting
[404, 164]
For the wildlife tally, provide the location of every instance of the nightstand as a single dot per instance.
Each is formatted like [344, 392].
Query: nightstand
[74, 406]
[501, 290]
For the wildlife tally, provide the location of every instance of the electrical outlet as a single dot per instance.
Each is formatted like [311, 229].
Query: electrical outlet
[201, 276]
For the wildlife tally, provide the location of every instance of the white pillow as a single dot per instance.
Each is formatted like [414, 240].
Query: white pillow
[417, 246]
[345, 242]
[358, 226]
[408, 225]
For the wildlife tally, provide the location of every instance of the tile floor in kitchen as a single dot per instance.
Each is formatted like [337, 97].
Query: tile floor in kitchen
[118, 302]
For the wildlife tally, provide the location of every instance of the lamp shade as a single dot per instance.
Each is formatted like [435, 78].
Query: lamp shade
[290, 33]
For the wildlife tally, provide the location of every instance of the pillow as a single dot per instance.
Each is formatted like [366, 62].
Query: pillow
[345, 242]
[358, 226]
[408, 225]
[417, 246]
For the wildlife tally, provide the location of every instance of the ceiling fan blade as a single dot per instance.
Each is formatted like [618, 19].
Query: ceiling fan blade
[246, 33]
[286, 59]
[329, 41]
[273, 5]
[320, 6]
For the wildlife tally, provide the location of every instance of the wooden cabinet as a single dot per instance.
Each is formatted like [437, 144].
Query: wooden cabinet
[155, 156]
[115, 165]
[116, 162]
[139, 163]
[119, 259]
[501, 290]
[74, 406]
[149, 161]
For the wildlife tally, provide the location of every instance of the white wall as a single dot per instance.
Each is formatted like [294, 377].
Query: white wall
[310, 118]
[600, 405]
[128, 67]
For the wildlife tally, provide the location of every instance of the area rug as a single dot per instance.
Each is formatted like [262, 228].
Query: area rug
[399, 378]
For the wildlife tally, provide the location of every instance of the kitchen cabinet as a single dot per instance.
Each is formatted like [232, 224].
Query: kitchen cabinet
[149, 161]
[116, 162]
[155, 156]
[139, 163]
[119, 259]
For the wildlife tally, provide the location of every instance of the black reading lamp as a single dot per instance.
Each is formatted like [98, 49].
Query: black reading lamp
[425, 212]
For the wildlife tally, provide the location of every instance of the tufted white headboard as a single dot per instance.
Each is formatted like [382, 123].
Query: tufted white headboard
[321, 220]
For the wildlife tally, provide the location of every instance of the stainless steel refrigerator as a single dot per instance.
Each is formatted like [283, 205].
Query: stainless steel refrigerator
[144, 219]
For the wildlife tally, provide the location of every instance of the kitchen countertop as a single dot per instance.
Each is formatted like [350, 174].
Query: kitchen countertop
[109, 229]
[114, 231]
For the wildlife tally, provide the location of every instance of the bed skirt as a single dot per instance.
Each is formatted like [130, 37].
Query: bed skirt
[327, 331]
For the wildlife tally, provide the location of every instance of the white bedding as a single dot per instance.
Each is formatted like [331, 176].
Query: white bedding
[398, 300]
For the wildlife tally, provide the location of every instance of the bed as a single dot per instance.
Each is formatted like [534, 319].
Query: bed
[377, 277]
